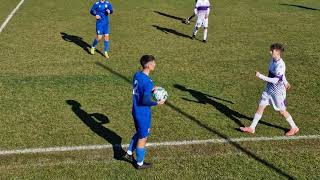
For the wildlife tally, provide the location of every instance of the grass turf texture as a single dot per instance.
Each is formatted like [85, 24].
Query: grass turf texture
[43, 64]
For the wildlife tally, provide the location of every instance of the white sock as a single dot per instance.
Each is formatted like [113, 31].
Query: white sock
[129, 152]
[205, 34]
[255, 121]
[291, 122]
[140, 163]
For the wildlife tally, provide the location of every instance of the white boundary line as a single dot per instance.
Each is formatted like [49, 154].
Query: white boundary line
[171, 143]
[3, 25]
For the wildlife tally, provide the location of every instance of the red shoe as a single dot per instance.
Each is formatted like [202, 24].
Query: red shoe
[247, 130]
[292, 131]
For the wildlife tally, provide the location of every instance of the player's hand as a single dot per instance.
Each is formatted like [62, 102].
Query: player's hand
[108, 11]
[288, 86]
[257, 73]
[206, 16]
[154, 88]
[98, 17]
[161, 102]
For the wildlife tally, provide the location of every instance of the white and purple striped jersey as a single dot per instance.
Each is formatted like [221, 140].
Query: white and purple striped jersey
[276, 79]
[202, 7]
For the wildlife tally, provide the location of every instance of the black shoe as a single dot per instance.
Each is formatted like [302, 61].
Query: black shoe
[143, 166]
[193, 37]
[128, 158]
[204, 41]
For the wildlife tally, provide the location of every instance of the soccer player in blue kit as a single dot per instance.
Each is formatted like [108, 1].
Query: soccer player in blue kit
[141, 111]
[101, 10]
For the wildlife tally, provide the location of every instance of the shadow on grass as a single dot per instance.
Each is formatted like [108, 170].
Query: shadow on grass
[78, 41]
[95, 122]
[231, 114]
[171, 31]
[210, 129]
[208, 99]
[299, 6]
[169, 16]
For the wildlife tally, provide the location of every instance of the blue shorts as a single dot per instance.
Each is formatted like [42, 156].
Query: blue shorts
[142, 125]
[102, 28]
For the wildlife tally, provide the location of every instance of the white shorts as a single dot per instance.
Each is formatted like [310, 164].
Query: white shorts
[202, 21]
[278, 102]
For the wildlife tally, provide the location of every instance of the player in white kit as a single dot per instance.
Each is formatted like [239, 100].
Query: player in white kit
[275, 92]
[202, 11]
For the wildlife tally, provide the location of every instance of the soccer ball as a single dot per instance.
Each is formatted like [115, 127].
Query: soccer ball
[159, 94]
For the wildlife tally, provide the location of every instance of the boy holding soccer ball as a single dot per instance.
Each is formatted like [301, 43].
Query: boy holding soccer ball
[141, 111]
[275, 92]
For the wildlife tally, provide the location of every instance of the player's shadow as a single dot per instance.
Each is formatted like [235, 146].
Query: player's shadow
[231, 114]
[299, 6]
[95, 122]
[78, 41]
[171, 31]
[170, 16]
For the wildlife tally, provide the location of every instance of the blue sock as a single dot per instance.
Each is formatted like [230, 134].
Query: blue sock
[140, 154]
[95, 43]
[133, 143]
[106, 46]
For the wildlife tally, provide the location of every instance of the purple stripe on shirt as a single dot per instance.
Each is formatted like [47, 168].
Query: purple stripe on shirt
[202, 8]
[271, 75]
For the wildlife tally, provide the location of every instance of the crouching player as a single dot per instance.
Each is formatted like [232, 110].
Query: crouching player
[101, 10]
[202, 11]
[275, 92]
[141, 111]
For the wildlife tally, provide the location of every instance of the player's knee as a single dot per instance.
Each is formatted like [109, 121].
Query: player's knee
[99, 37]
[283, 112]
[106, 37]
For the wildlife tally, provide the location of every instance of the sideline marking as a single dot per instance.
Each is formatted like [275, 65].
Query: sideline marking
[10, 16]
[156, 144]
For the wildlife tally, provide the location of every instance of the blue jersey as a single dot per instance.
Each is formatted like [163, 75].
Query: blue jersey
[142, 93]
[100, 8]
[141, 108]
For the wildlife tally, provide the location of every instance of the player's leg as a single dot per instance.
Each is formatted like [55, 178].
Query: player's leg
[197, 26]
[106, 45]
[133, 143]
[264, 102]
[294, 128]
[205, 34]
[106, 32]
[132, 147]
[95, 43]
[195, 31]
[143, 125]
[255, 121]
[141, 150]
[281, 105]
[99, 32]
[205, 29]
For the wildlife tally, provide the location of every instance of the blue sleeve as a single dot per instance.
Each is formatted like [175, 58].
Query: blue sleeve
[110, 8]
[93, 11]
[146, 99]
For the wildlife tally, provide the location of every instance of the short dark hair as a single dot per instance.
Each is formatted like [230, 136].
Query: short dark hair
[145, 59]
[277, 46]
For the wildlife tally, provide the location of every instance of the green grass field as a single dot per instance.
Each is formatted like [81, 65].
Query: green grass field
[45, 65]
